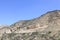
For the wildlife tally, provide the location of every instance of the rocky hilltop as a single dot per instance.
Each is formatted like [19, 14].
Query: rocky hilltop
[45, 27]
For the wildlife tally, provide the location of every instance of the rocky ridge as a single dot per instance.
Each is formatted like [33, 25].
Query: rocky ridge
[45, 27]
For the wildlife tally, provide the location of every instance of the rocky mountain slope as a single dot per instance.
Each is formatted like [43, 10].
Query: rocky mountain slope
[45, 27]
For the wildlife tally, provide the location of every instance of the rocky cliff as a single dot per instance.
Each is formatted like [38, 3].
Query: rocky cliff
[45, 27]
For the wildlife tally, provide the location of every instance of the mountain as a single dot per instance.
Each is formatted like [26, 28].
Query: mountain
[45, 27]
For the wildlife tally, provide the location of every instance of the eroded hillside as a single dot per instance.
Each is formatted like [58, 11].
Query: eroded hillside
[45, 27]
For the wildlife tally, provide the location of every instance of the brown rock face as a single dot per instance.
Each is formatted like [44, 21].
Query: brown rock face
[45, 27]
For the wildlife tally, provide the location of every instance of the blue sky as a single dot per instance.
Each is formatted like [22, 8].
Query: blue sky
[14, 10]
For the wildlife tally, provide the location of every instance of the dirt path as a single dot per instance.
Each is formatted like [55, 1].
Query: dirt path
[31, 30]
